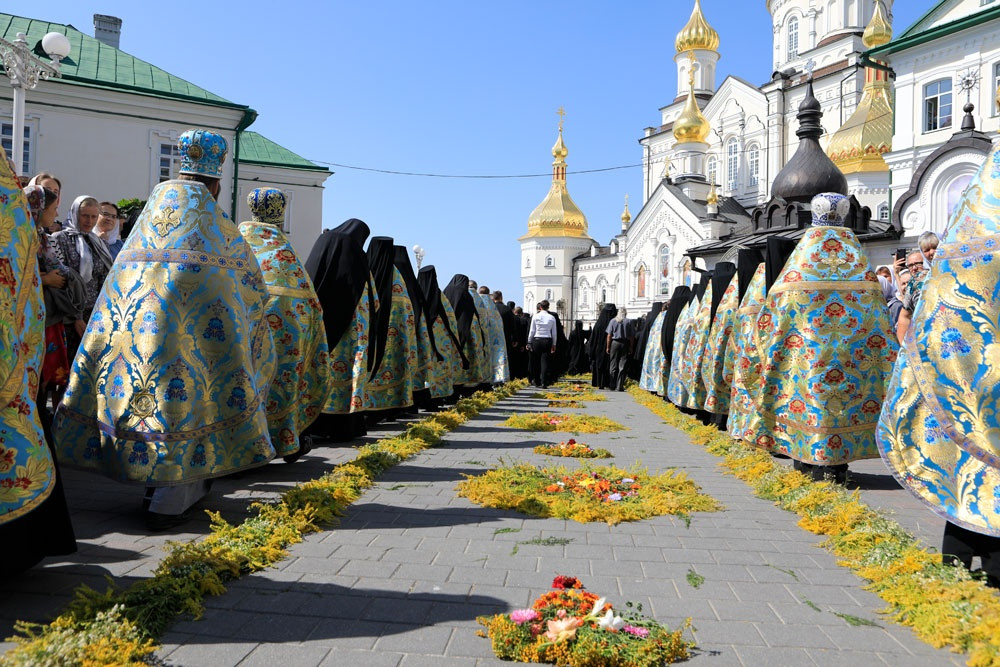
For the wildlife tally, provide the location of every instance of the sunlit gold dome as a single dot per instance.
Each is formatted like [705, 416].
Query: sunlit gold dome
[558, 214]
[626, 216]
[878, 31]
[691, 125]
[697, 34]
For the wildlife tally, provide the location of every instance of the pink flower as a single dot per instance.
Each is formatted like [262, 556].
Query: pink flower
[638, 632]
[520, 616]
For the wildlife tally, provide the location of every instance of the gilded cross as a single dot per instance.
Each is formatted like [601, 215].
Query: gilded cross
[562, 114]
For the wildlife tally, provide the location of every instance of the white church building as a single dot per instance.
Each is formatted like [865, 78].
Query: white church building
[718, 147]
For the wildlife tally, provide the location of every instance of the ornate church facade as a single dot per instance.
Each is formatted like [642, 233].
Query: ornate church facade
[719, 148]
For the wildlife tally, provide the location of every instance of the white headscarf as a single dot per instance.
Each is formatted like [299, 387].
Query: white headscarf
[85, 243]
[888, 289]
[114, 234]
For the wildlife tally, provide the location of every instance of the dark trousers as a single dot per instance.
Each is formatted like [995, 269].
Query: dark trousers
[619, 361]
[538, 373]
[960, 545]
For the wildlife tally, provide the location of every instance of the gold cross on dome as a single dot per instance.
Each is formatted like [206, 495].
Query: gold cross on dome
[562, 114]
[626, 200]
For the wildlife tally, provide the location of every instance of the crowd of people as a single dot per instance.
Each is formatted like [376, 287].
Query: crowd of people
[805, 352]
[194, 348]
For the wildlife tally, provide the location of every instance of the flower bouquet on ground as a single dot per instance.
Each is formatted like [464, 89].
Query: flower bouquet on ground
[570, 394]
[607, 493]
[573, 449]
[572, 626]
[546, 421]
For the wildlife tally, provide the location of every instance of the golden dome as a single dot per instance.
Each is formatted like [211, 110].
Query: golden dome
[859, 144]
[691, 125]
[697, 34]
[878, 31]
[713, 196]
[557, 215]
[626, 216]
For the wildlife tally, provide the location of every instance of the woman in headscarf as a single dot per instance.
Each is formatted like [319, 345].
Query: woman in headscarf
[168, 388]
[938, 431]
[81, 249]
[429, 358]
[109, 228]
[826, 348]
[64, 300]
[450, 373]
[651, 378]
[470, 331]
[578, 361]
[600, 360]
[390, 383]
[302, 377]
[338, 267]
[34, 520]
[716, 373]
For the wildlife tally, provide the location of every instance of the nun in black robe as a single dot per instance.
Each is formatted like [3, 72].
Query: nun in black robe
[470, 330]
[338, 268]
[434, 308]
[579, 362]
[600, 360]
[427, 352]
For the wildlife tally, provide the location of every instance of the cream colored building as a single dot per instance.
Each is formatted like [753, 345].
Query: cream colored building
[109, 128]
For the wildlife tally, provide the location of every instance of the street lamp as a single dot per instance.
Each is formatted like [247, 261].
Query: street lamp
[419, 253]
[25, 71]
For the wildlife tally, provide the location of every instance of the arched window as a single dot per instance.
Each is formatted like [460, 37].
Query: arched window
[529, 300]
[583, 289]
[732, 164]
[937, 105]
[640, 282]
[955, 191]
[713, 170]
[604, 296]
[664, 269]
[548, 295]
[793, 38]
[527, 262]
[753, 165]
[550, 262]
[883, 211]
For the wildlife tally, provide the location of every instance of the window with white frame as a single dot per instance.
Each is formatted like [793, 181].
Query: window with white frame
[753, 165]
[883, 211]
[550, 262]
[6, 137]
[937, 105]
[527, 262]
[713, 170]
[548, 295]
[168, 161]
[996, 86]
[793, 37]
[664, 269]
[583, 294]
[732, 164]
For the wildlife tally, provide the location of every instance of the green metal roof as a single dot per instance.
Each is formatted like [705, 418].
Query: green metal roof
[97, 64]
[258, 149]
[912, 38]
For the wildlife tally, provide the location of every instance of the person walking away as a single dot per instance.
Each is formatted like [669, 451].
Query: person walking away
[618, 345]
[542, 342]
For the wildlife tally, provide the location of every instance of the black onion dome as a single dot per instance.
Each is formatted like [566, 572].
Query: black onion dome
[810, 171]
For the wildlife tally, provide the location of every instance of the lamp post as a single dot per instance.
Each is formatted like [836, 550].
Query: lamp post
[419, 253]
[25, 71]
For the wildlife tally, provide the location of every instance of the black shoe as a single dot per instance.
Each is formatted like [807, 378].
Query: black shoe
[147, 498]
[157, 522]
[305, 446]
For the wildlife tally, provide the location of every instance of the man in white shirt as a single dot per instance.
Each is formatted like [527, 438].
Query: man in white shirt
[541, 343]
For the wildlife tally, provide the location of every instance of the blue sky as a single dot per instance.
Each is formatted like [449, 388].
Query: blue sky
[447, 87]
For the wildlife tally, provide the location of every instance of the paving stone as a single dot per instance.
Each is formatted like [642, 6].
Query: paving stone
[268, 655]
[775, 657]
[429, 640]
[357, 658]
[227, 652]
[779, 634]
[742, 633]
